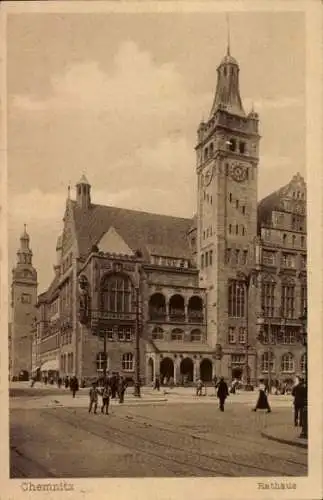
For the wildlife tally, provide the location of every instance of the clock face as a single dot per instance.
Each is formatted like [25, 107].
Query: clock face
[208, 176]
[239, 172]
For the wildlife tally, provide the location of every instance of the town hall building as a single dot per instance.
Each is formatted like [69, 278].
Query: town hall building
[220, 294]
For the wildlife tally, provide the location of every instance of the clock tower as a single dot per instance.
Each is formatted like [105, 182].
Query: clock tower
[227, 162]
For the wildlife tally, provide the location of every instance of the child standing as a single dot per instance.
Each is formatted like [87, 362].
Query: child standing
[106, 393]
[93, 398]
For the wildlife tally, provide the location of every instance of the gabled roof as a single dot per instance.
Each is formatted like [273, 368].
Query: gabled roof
[143, 231]
[274, 200]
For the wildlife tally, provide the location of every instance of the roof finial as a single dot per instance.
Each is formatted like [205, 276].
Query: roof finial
[228, 34]
[25, 228]
[69, 191]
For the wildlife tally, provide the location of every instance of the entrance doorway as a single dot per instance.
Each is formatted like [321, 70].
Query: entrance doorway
[237, 373]
[166, 369]
[187, 370]
[206, 370]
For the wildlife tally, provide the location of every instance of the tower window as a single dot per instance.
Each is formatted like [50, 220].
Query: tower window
[79, 190]
[293, 240]
[242, 147]
[230, 228]
[230, 197]
[284, 239]
[237, 229]
[237, 203]
[243, 230]
[211, 257]
[206, 259]
[205, 153]
[211, 199]
[233, 145]
[202, 261]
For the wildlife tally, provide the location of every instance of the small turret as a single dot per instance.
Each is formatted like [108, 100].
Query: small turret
[83, 193]
[24, 253]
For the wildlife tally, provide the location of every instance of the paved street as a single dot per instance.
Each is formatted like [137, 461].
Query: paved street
[146, 439]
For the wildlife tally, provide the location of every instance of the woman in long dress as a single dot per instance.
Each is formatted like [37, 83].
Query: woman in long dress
[262, 402]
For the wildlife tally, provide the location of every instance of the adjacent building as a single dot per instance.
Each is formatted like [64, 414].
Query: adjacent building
[221, 293]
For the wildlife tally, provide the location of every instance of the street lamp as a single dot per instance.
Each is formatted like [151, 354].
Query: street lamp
[248, 278]
[303, 338]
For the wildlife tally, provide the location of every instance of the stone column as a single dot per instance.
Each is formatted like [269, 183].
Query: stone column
[196, 372]
[214, 368]
[156, 371]
[177, 362]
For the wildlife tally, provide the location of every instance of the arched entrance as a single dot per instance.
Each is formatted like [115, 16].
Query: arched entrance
[206, 370]
[166, 369]
[150, 374]
[187, 370]
[237, 373]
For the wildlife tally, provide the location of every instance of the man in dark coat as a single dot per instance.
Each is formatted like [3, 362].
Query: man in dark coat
[299, 393]
[223, 393]
[74, 386]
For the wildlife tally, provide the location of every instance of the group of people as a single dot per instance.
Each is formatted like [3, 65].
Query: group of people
[107, 389]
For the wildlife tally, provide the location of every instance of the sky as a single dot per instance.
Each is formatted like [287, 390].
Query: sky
[119, 97]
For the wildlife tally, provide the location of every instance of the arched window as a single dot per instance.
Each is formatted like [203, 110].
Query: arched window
[176, 307]
[100, 360]
[287, 363]
[117, 294]
[265, 357]
[157, 307]
[195, 309]
[157, 333]
[211, 149]
[127, 362]
[236, 299]
[303, 363]
[196, 336]
[177, 334]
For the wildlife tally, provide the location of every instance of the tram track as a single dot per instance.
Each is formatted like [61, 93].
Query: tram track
[182, 457]
[237, 441]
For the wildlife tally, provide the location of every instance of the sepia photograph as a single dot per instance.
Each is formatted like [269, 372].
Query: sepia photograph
[157, 246]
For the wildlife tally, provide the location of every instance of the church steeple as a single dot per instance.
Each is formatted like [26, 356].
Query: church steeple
[24, 253]
[227, 95]
[83, 193]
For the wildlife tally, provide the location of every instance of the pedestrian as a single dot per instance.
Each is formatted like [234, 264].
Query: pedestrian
[222, 393]
[93, 398]
[113, 386]
[157, 384]
[106, 393]
[66, 382]
[199, 387]
[299, 394]
[122, 389]
[74, 386]
[262, 402]
[59, 382]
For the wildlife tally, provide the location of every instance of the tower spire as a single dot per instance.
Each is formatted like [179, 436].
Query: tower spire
[228, 35]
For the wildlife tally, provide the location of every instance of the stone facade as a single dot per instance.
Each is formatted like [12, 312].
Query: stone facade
[209, 296]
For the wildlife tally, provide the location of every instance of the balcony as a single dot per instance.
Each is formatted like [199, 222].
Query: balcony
[157, 314]
[177, 315]
[195, 316]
